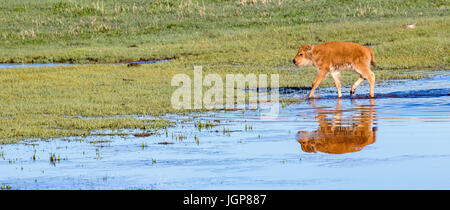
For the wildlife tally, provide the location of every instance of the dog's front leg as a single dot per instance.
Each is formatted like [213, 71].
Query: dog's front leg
[322, 73]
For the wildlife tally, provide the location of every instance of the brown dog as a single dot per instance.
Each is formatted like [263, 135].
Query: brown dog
[332, 57]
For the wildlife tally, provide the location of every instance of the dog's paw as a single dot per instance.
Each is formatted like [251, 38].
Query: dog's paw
[311, 97]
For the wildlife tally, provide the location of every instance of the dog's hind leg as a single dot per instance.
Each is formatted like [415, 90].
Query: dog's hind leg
[370, 76]
[371, 79]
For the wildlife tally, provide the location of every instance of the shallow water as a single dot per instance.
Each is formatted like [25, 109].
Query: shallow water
[38, 65]
[399, 140]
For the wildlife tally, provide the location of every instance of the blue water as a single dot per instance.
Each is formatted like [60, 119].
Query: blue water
[37, 65]
[399, 140]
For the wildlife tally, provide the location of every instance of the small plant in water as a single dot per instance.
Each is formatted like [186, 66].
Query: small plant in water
[197, 139]
[207, 125]
[3, 187]
[181, 137]
[53, 158]
[98, 153]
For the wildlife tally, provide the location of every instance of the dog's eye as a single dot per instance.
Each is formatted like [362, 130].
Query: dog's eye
[301, 54]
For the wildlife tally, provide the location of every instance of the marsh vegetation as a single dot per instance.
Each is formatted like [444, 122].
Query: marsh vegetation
[224, 37]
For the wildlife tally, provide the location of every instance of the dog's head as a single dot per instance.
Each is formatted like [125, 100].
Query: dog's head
[303, 57]
[307, 144]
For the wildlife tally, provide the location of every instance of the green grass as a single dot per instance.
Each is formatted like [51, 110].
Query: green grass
[109, 31]
[222, 36]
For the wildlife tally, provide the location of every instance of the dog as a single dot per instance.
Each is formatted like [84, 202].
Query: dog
[332, 57]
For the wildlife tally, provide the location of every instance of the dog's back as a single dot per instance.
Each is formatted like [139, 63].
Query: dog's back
[337, 54]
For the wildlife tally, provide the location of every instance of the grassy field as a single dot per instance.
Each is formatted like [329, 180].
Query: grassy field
[253, 36]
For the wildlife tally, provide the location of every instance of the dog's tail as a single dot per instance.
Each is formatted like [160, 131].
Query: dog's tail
[373, 62]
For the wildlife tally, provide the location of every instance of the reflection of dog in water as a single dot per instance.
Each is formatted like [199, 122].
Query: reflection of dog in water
[338, 135]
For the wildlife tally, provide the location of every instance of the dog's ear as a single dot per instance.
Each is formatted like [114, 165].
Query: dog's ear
[306, 47]
[309, 50]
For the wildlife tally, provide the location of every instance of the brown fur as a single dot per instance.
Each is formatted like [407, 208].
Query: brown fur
[336, 135]
[332, 57]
